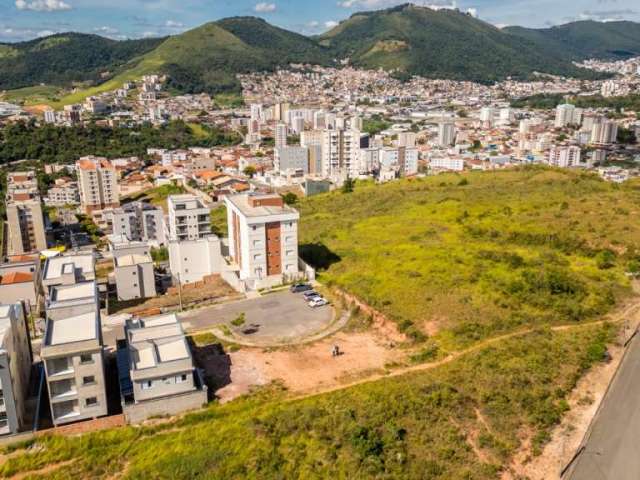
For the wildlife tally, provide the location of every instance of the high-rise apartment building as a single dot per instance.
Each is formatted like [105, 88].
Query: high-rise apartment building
[446, 134]
[25, 220]
[604, 132]
[564, 157]
[567, 114]
[98, 184]
[281, 131]
[15, 368]
[341, 153]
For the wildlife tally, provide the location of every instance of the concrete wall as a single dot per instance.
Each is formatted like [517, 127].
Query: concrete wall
[163, 389]
[17, 292]
[139, 412]
[135, 281]
[192, 260]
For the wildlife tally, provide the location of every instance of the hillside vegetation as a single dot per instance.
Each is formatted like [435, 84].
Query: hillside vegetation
[479, 255]
[67, 58]
[441, 44]
[464, 258]
[460, 421]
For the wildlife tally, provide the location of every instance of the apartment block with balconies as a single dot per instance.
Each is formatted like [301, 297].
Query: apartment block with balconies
[15, 368]
[97, 183]
[189, 218]
[72, 354]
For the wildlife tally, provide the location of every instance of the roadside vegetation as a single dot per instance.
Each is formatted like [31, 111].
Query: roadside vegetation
[460, 421]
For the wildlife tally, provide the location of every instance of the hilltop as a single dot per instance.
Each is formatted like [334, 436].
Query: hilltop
[441, 44]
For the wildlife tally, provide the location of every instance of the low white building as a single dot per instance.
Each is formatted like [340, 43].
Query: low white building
[193, 260]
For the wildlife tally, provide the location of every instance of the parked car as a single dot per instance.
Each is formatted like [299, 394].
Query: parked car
[300, 287]
[318, 302]
[310, 294]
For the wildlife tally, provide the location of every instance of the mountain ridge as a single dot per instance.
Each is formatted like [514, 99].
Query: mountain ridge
[407, 39]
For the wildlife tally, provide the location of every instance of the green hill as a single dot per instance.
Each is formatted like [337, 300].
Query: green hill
[65, 58]
[440, 44]
[409, 39]
[587, 39]
[505, 276]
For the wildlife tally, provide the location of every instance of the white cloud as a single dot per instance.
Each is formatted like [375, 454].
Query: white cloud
[105, 30]
[331, 24]
[42, 5]
[265, 7]
[173, 24]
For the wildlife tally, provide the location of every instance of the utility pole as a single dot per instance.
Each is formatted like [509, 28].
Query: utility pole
[180, 290]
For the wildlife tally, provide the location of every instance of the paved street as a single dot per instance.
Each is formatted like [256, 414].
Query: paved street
[613, 448]
[275, 317]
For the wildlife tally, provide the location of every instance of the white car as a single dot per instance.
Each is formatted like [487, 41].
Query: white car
[317, 302]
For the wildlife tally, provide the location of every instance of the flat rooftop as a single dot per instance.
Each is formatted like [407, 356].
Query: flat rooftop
[132, 259]
[157, 340]
[55, 267]
[243, 203]
[72, 329]
[61, 293]
[185, 202]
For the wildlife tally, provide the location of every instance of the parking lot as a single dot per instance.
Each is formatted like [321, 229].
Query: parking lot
[277, 317]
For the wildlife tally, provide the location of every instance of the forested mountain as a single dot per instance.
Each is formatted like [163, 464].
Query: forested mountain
[441, 43]
[587, 39]
[407, 39]
[65, 58]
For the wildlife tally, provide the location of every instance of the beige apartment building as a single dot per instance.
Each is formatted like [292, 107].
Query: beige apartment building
[15, 368]
[25, 220]
[73, 359]
[97, 183]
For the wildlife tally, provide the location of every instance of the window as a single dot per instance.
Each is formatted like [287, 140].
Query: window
[134, 273]
[89, 380]
[91, 402]
[147, 385]
[86, 358]
[253, 227]
[181, 378]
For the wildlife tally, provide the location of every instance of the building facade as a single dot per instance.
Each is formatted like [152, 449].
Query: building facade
[97, 183]
[189, 218]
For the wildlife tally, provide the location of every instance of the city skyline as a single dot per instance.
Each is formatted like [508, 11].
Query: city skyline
[26, 19]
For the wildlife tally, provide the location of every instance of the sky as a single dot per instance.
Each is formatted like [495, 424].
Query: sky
[121, 19]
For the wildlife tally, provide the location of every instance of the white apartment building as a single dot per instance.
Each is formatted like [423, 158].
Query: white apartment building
[446, 163]
[281, 132]
[137, 221]
[340, 153]
[63, 193]
[604, 132]
[446, 134]
[98, 184]
[567, 114]
[263, 236]
[189, 218]
[15, 368]
[193, 260]
[564, 157]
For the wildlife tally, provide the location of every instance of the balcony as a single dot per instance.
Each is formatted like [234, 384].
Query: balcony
[62, 390]
[59, 367]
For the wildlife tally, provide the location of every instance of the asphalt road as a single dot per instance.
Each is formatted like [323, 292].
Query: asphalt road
[275, 317]
[613, 448]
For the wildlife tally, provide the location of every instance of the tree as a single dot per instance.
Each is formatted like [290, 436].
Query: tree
[290, 198]
[349, 185]
[250, 171]
[626, 136]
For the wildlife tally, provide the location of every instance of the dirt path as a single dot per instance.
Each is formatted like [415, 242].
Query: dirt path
[615, 318]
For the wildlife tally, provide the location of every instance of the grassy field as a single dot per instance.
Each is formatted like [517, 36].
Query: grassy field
[38, 95]
[465, 258]
[156, 196]
[456, 261]
[431, 425]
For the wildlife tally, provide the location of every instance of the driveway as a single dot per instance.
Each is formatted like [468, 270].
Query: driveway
[276, 317]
